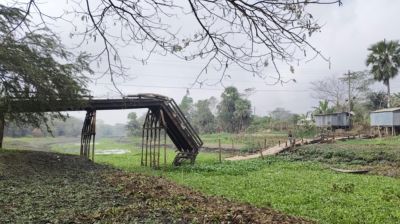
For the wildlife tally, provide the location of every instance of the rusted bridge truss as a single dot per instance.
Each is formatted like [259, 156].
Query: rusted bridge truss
[163, 118]
[88, 134]
[153, 130]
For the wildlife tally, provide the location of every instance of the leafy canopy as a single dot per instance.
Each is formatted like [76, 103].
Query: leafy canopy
[384, 59]
[35, 66]
[234, 111]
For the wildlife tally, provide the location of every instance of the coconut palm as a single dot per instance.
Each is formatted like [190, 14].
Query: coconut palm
[323, 107]
[384, 58]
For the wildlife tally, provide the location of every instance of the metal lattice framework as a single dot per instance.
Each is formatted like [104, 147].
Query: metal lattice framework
[88, 134]
[154, 128]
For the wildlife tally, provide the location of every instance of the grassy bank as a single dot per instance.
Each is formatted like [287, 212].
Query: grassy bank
[380, 155]
[300, 188]
[297, 183]
[43, 187]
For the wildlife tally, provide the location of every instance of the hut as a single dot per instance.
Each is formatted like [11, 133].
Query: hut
[333, 120]
[388, 118]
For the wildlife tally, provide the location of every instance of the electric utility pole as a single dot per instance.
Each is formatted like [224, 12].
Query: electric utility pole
[349, 81]
[349, 77]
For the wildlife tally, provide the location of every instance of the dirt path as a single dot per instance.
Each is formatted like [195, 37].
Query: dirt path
[279, 148]
[273, 150]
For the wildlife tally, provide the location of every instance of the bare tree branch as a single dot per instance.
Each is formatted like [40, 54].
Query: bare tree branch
[227, 33]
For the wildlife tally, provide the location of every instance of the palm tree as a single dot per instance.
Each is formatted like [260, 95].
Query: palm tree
[323, 107]
[384, 58]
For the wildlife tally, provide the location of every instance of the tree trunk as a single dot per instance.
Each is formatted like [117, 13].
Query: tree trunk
[1, 129]
[388, 94]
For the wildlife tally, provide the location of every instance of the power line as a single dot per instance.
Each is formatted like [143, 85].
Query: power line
[198, 88]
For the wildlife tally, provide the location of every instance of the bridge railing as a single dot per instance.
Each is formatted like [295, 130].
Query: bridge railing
[183, 120]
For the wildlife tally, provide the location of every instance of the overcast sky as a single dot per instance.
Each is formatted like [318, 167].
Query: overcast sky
[347, 33]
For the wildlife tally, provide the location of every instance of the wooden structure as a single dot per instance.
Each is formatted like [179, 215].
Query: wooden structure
[163, 115]
[388, 118]
[333, 120]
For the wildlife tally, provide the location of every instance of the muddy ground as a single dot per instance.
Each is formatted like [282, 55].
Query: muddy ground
[42, 187]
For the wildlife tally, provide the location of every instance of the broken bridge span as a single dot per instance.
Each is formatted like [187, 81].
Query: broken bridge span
[163, 118]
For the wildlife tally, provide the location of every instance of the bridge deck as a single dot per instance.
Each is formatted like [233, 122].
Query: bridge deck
[133, 102]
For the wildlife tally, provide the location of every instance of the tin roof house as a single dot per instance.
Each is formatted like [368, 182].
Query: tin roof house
[333, 120]
[387, 118]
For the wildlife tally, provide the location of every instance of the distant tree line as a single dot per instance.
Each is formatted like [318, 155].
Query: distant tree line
[232, 114]
[71, 127]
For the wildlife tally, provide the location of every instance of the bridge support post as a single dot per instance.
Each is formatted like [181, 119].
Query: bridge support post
[88, 135]
[151, 138]
[2, 123]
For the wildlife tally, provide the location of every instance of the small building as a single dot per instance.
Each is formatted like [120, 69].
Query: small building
[333, 120]
[388, 118]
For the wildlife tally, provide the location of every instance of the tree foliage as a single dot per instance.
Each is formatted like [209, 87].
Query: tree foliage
[335, 90]
[376, 100]
[323, 107]
[186, 106]
[134, 127]
[234, 112]
[203, 119]
[384, 60]
[35, 66]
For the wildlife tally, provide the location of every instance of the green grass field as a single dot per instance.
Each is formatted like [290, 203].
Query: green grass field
[298, 183]
[243, 142]
[381, 155]
[299, 188]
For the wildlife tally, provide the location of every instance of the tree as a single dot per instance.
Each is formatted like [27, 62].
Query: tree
[250, 35]
[226, 109]
[242, 114]
[133, 126]
[332, 90]
[395, 100]
[384, 59]
[336, 90]
[280, 114]
[35, 66]
[323, 107]
[280, 118]
[376, 100]
[186, 106]
[203, 119]
[234, 112]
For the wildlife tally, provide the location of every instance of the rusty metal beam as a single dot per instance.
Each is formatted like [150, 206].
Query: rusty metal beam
[88, 134]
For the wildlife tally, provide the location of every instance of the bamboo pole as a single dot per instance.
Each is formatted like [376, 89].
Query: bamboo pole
[155, 141]
[151, 141]
[142, 156]
[94, 133]
[159, 145]
[147, 138]
[165, 149]
[2, 124]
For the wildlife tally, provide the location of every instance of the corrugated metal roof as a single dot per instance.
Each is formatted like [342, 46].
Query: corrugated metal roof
[333, 113]
[387, 110]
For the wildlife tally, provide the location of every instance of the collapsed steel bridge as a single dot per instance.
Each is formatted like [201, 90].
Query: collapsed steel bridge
[163, 118]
